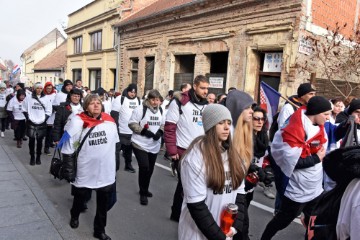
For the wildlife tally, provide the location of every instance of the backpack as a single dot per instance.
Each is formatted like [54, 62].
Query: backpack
[145, 109]
[177, 103]
[123, 97]
[323, 219]
[275, 126]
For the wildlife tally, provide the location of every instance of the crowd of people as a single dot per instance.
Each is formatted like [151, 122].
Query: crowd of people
[220, 147]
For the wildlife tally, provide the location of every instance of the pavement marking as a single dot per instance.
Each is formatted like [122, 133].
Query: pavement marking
[255, 204]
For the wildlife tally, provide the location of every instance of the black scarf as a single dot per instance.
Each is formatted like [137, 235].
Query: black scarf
[261, 142]
[196, 99]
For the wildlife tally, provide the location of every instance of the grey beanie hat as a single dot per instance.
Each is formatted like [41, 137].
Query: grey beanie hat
[213, 114]
[236, 102]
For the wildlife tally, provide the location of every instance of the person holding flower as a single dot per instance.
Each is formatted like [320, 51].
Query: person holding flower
[147, 123]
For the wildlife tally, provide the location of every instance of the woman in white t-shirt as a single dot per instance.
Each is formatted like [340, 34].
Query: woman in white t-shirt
[147, 123]
[211, 172]
[18, 122]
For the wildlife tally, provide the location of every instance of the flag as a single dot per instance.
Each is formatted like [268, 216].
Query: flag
[290, 144]
[269, 100]
[16, 68]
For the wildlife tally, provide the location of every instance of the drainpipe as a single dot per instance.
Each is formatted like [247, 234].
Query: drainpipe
[117, 45]
[117, 48]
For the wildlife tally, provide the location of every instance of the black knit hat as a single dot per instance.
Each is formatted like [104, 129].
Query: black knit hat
[305, 88]
[67, 82]
[354, 105]
[132, 87]
[317, 104]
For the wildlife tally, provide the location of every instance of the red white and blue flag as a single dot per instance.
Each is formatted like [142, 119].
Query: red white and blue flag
[269, 100]
[290, 144]
[16, 69]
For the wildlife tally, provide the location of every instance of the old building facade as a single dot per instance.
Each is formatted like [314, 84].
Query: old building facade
[235, 43]
[39, 50]
[92, 41]
[52, 67]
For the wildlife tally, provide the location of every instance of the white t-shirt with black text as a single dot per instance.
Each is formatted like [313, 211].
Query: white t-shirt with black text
[189, 123]
[35, 110]
[154, 121]
[16, 107]
[193, 177]
[125, 110]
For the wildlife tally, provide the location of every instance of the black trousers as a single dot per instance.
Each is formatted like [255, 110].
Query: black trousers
[38, 145]
[146, 162]
[3, 124]
[19, 129]
[126, 147]
[48, 137]
[288, 211]
[102, 199]
[178, 195]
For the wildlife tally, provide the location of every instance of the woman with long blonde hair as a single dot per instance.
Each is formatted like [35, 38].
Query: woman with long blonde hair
[212, 172]
[239, 104]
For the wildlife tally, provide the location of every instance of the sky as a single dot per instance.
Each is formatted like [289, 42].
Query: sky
[24, 22]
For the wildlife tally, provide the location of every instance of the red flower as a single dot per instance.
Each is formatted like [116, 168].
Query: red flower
[146, 126]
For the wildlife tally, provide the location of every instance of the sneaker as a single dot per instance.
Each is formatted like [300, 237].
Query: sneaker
[47, 151]
[2, 134]
[262, 185]
[268, 193]
[129, 168]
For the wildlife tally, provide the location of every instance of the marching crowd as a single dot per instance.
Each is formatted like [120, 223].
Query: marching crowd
[220, 147]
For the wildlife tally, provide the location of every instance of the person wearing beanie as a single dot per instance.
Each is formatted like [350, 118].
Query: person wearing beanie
[73, 105]
[121, 110]
[350, 122]
[37, 109]
[183, 124]
[211, 173]
[240, 105]
[62, 95]
[305, 92]
[297, 150]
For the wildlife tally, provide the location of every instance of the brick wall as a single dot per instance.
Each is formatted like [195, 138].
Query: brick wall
[328, 12]
[325, 88]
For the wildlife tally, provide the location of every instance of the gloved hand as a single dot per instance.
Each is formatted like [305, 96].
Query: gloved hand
[145, 132]
[248, 185]
[252, 168]
[261, 174]
[158, 135]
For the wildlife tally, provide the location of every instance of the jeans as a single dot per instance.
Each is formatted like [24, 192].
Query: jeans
[288, 211]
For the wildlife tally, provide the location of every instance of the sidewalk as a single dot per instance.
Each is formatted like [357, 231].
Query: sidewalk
[25, 210]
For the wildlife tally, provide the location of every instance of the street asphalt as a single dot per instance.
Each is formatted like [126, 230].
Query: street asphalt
[34, 205]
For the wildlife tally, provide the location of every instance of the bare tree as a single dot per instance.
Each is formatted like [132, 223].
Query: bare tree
[334, 57]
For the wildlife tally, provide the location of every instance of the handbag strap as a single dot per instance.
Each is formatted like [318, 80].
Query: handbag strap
[37, 99]
[83, 140]
[57, 151]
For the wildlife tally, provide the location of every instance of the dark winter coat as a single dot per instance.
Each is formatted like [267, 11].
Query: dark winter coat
[61, 117]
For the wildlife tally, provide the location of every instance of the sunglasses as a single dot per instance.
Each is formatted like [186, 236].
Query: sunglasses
[259, 119]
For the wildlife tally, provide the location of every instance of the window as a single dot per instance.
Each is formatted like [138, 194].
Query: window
[95, 41]
[78, 45]
[134, 69]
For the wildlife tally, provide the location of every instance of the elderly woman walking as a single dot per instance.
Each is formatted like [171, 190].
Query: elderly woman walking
[93, 135]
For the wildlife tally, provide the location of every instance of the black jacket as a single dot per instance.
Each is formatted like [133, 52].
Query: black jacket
[61, 117]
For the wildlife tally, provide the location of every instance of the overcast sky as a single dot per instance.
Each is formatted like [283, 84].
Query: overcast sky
[24, 22]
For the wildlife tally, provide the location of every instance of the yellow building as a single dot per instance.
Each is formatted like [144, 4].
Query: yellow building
[90, 49]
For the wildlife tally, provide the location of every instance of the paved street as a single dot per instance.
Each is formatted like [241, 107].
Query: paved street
[128, 219]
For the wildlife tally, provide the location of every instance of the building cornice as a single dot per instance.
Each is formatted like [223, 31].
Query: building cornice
[91, 53]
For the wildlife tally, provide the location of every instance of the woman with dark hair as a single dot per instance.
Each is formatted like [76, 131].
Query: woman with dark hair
[261, 143]
[71, 106]
[95, 161]
[18, 122]
[212, 172]
[147, 123]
